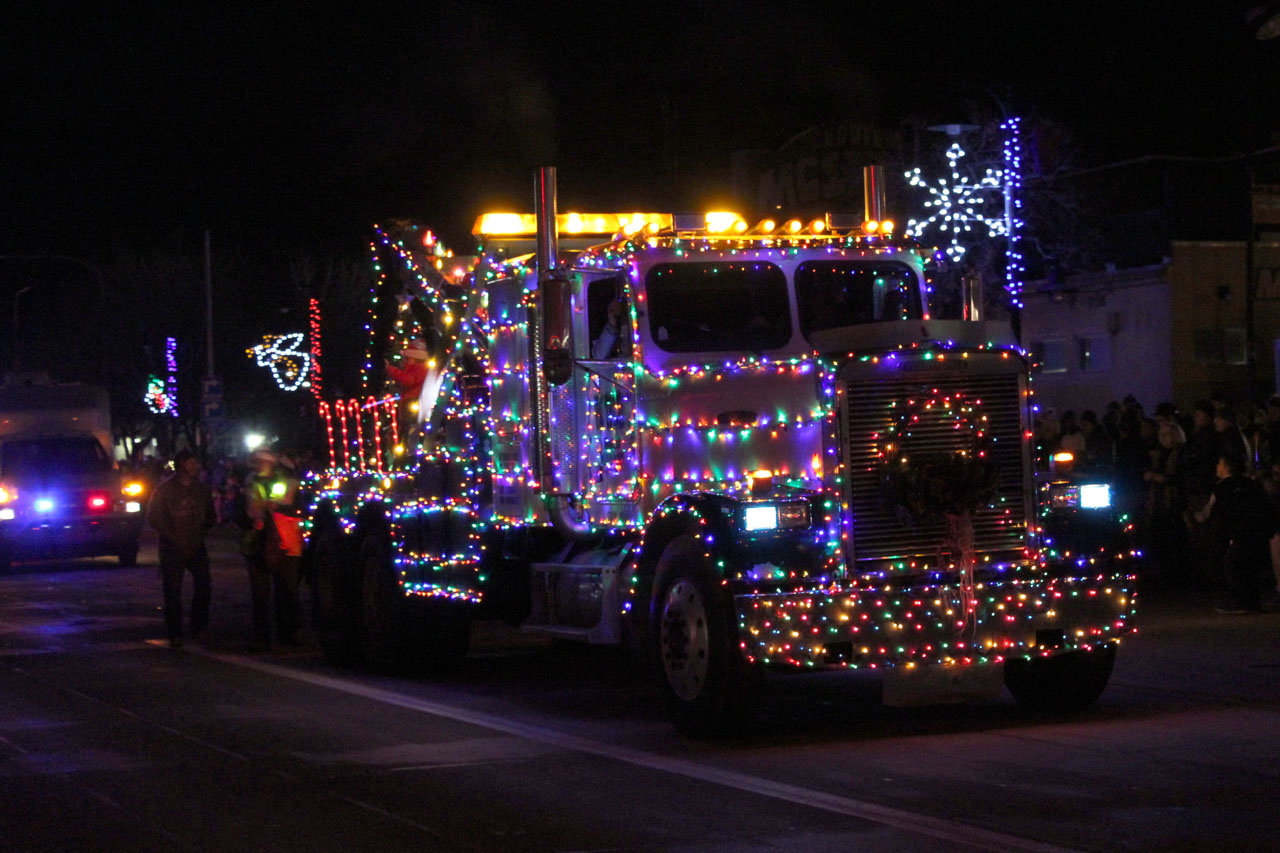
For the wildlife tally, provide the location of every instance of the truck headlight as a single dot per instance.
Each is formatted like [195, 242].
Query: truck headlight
[1095, 496]
[774, 516]
[1080, 496]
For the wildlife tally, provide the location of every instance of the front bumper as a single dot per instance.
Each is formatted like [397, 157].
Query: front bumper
[70, 536]
[1037, 611]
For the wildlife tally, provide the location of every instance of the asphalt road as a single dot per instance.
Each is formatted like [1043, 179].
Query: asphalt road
[109, 740]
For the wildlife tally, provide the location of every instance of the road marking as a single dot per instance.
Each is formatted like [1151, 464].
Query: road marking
[920, 824]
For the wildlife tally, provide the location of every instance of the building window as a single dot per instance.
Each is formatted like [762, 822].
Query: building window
[1218, 346]
[1052, 355]
[1094, 354]
[1234, 350]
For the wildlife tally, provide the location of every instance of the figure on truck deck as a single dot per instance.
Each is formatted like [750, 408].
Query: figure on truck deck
[409, 377]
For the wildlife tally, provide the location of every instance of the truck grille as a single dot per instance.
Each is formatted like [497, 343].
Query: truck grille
[880, 530]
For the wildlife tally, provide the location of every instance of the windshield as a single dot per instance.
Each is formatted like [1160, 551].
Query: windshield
[832, 294]
[52, 457]
[700, 307]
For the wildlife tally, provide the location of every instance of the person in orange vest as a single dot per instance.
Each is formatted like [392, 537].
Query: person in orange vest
[273, 548]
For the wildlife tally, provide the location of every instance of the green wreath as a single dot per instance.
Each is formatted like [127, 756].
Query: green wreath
[923, 485]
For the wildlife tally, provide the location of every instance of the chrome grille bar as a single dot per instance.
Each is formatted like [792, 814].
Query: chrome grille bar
[878, 533]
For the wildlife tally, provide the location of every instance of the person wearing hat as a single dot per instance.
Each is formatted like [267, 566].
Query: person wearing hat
[181, 511]
[412, 371]
[272, 548]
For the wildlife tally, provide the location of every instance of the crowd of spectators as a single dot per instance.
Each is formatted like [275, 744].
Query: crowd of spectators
[1169, 472]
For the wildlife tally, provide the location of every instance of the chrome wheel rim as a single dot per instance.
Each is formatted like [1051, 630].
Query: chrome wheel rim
[685, 646]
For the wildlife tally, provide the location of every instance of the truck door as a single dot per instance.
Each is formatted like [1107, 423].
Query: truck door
[608, 472]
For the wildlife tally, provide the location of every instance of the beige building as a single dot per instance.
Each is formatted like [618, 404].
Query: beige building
[1175, 331]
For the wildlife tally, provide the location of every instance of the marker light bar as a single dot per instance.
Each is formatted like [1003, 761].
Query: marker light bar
[500, 224]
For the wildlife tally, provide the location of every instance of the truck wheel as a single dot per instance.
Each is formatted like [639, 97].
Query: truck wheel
[1063, 683]
[337, 611]
[708, 688]
[128, 556]
[383, 610]
[439, 636]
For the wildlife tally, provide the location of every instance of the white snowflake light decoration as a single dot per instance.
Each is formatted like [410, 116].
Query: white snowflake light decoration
[955, 204]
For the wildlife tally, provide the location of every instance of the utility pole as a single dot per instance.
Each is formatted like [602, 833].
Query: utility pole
[208, 308]
[211, 390]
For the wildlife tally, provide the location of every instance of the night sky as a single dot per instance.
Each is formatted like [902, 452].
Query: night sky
[296, 124]
[291, 128]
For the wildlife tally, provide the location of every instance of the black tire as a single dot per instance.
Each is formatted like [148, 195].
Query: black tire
[439, 636]
[708, 688]
[384, 612]
[128, 556]
[1061, 684]
[335, 599]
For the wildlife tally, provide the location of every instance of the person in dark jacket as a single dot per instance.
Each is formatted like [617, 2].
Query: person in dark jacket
[1248, 522]
[181, 511]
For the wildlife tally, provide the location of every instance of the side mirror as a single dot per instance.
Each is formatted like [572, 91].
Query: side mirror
[557, 365]
[557, 360]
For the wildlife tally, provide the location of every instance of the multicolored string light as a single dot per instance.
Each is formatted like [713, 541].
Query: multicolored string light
[1015, 269]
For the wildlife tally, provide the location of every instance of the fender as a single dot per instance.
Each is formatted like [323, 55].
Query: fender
[707, 517]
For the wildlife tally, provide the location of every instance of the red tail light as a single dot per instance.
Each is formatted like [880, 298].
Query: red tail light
[98, 501]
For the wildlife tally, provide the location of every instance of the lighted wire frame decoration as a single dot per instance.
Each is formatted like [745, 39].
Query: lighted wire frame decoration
[956, 205]
[161, 395]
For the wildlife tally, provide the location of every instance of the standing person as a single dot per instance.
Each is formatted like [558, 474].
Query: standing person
[1248, 522]
[1231, 439]
[1070, 439]
[1167, 501]
[272, 548]
[1099, 452]
[181, 511]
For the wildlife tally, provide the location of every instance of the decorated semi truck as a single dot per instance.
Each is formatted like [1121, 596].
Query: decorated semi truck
[725, 447]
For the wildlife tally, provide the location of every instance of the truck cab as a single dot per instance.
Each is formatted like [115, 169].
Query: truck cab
[61, 494]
